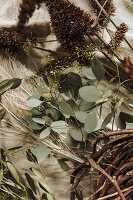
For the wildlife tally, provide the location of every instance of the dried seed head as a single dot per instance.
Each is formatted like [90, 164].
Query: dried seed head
[14, 43]
[108, 7]
[69, 23]
[119, 34]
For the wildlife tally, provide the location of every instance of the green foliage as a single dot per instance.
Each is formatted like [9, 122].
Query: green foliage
[6, 85]
[11, 186]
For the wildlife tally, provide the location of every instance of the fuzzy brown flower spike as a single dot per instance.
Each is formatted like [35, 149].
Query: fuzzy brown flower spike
[15, 44]
[119, 34]
[108, 7]
[69, 23]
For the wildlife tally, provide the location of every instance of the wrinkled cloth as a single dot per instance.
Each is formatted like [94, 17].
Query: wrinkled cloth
[39, 23]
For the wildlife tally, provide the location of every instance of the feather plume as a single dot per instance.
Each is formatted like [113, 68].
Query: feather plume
[14, 103]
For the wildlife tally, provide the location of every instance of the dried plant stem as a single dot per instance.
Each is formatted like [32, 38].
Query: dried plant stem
[107, 47]
[47, 50]
[107, 15]
[114, 194]
[119, 132]
[110, 59]
[114, 182]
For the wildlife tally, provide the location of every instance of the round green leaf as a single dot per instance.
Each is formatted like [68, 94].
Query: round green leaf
[120, 123]
[90, 123]
[65, 108]
[85, 106]
[87, 72]
[77, 133]
[45, 133]
[90, 93]
[70, 142]
[59, 126]
[81, 116]
[98, 69]
[74, 78]
[40, 151]
[38, 120]
[73, 105]
[33, 125]
[33, 103]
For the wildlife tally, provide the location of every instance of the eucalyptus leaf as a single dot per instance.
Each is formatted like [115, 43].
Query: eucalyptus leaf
[55, 114]
[38, 120]
[126, 117]
[77, 133]
[40, 151]
[81, 116]
[13, 171]
[33, 103]
[85, 106]
[59, 126]
[65, 108]
[74, 79]
[107, 120]
[120, 123]
[35, 95]
[73, 105]
[70, 142]
[87, 72]
[31, 182]
[35, 111]
[63, 165]
[90, 93]
[98, 69]
[90, 122]
[33, 125]
[2, 113]
[46, 132]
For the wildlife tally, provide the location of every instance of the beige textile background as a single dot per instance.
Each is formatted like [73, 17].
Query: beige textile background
[11, 135]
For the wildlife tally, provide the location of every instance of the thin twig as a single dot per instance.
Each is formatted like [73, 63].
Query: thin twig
[108, 16]
[114, 182]
[47, 50]
[114, 194]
